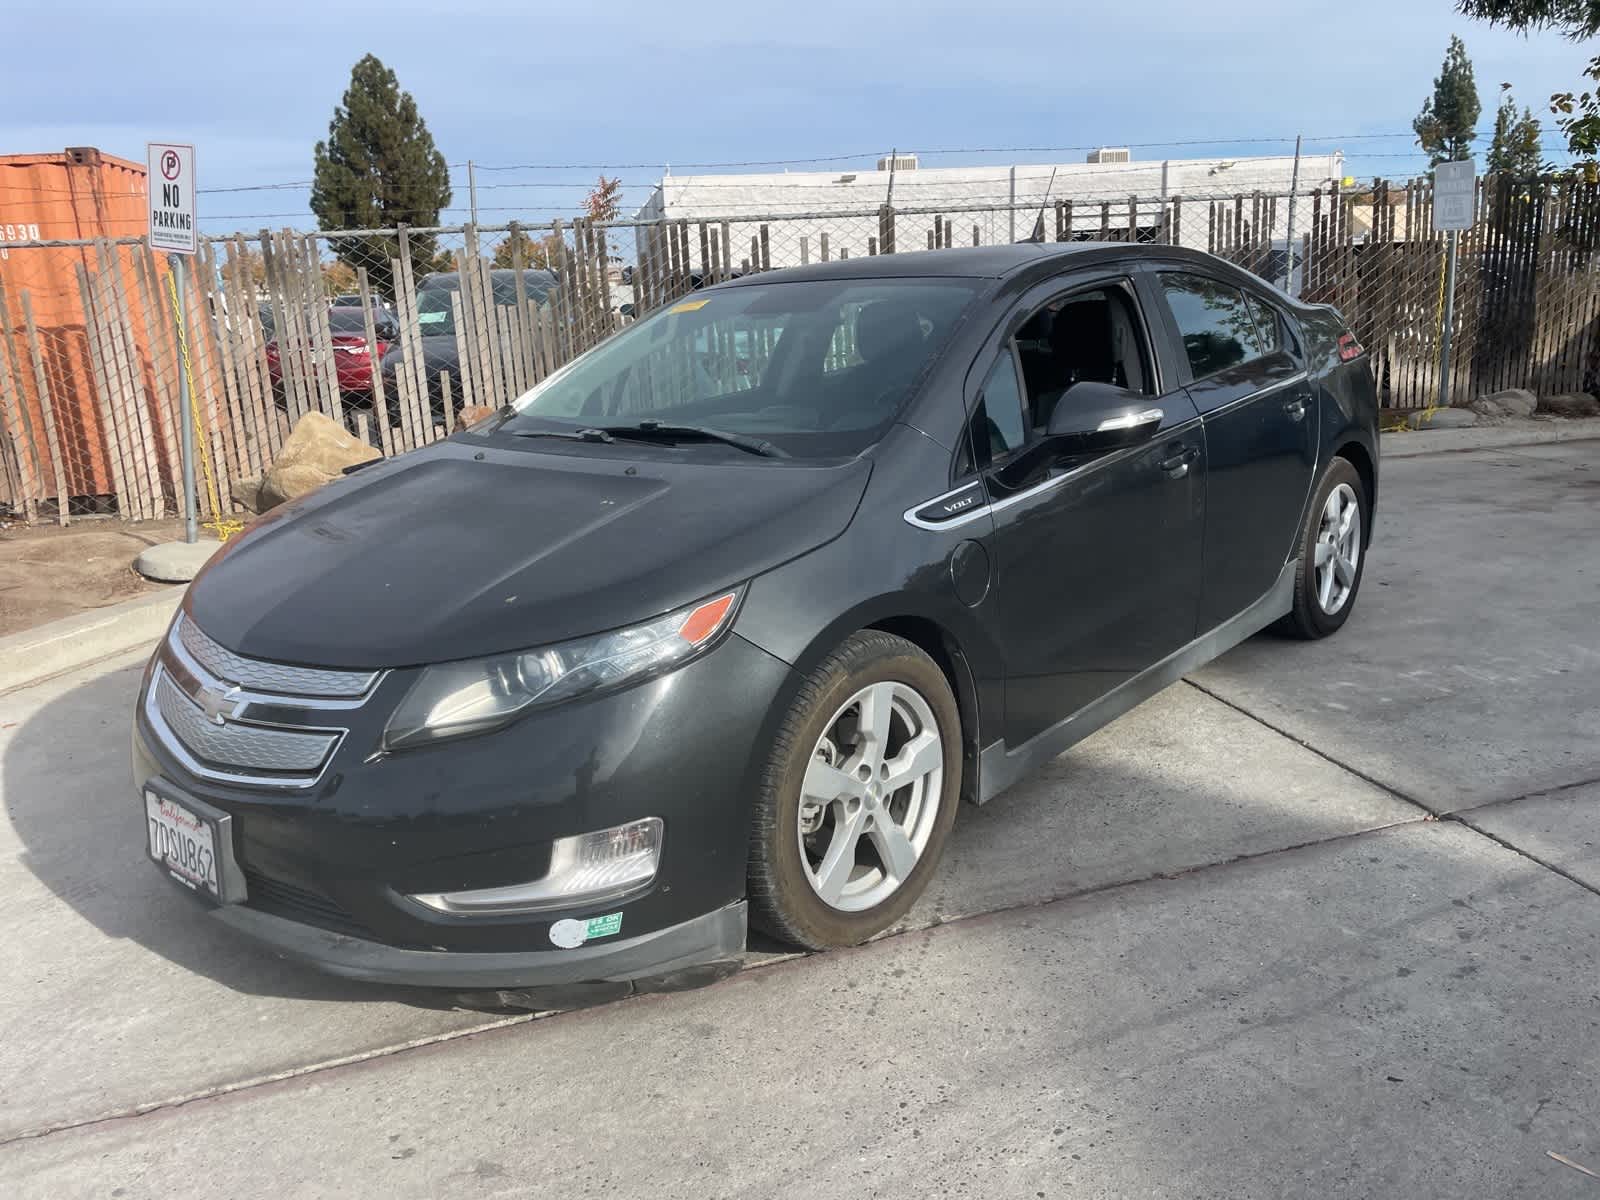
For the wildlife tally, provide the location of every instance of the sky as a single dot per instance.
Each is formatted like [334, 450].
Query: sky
[561, 93]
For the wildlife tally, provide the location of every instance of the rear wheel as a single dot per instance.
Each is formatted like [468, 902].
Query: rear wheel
[1332, 555]
[858, 796]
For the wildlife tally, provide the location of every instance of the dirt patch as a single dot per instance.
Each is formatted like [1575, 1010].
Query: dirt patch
[47, 571]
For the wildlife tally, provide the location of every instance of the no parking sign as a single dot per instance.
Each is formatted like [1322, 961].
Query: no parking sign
[171, 177]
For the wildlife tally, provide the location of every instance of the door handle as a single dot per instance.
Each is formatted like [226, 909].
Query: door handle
[1296, 408]
[1177, 465]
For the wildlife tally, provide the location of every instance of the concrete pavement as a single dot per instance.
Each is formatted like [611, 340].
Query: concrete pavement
[1227, 950]
[1327, 1022]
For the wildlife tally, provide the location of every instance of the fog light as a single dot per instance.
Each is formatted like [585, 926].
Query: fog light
[589, 868]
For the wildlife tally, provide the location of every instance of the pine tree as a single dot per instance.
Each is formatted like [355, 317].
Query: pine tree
[378, 168]
[1578, 116]
[1577, 19]
[1448, 118]
[1515, 149]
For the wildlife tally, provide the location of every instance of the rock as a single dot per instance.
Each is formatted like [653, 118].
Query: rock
[246, 492]
[1570, 404]
[319, 441]
[473, 413]
[283, 483]
[316, 451]
[1442, 418]
[1513, 402]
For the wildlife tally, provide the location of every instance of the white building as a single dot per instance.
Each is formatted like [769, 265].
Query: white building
[996, 203]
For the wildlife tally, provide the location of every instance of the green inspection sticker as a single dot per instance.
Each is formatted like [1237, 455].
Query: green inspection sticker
[570, 934]
[604, 926]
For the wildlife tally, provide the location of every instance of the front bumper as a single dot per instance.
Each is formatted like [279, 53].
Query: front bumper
[715, 937]
[328, 870]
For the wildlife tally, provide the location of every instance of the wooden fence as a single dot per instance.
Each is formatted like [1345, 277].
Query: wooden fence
[89, 384]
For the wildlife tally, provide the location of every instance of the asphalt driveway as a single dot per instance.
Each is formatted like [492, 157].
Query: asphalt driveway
[1321, 921]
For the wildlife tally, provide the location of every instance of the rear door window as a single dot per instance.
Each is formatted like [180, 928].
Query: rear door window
[1214, 321]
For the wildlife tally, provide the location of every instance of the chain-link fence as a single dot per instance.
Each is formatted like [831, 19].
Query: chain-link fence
[403, 333]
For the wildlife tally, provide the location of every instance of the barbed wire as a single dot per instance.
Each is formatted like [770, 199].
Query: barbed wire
[923, 188]
[289, 185]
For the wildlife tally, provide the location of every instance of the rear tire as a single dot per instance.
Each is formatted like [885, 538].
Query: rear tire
[1333, 555]
[858, 795]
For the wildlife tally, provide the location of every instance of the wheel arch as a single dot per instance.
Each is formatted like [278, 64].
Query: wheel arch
[953, 640]
[1353, 451]
[941, 645]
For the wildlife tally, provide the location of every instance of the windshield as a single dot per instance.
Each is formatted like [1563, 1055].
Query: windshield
[434, 314]
[817, 368]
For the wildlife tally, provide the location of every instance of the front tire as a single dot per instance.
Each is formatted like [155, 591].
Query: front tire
[858, 796]
[1332, 555]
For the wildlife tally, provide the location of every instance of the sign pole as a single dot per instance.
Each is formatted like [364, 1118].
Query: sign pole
[1449, 319]
[191, 532]
[1455, 202]
[169, 168]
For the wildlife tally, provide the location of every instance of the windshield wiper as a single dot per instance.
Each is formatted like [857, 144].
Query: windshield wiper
[657, 431]
[580, 435]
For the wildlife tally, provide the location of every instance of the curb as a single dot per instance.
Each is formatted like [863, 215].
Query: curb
[1413, 443]
[34, 655]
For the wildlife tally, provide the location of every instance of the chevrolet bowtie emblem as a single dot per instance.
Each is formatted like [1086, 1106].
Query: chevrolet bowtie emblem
[218, 705]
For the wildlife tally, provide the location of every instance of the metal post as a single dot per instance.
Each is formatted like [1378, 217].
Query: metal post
[1294, 191]
[191, 532]
[1013, 236]
[472, 189]
[1449, 319]
[894, 159]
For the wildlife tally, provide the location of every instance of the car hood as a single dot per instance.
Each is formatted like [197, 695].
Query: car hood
[467, 548]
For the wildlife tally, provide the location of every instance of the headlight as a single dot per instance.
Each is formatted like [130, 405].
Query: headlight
[455, 699]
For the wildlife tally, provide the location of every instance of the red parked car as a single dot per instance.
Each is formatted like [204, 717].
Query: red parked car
[348, 327]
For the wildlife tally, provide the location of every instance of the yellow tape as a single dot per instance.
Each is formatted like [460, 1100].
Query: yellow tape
[224, 527]
[689, 305]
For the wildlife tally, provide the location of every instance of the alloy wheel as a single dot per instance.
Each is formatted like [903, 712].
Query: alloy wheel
[870, 798]
[1338, 549]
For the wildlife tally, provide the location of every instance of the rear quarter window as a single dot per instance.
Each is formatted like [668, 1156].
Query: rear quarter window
[1214, 321]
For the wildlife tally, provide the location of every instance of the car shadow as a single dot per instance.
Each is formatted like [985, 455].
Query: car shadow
[69, 797]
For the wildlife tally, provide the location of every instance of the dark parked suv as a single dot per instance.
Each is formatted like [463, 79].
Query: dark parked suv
[436, 329]
[728, 615]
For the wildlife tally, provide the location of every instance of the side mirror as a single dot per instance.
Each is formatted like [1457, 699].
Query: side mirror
[1092, 417]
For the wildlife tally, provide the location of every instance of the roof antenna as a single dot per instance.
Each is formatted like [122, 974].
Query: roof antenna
[1038, 222]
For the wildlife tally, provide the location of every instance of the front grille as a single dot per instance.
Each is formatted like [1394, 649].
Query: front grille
[280, 899]
[234, 719]
[244, 747]
[253, 674]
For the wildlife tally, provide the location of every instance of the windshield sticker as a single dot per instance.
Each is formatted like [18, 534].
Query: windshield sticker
[689, 305]
[570, 934]
[431, 318]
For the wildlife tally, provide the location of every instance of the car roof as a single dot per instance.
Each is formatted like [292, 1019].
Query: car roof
[974, 262]
[971, 262]
[446, 278]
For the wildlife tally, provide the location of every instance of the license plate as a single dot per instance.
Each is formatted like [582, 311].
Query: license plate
[183, 842]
